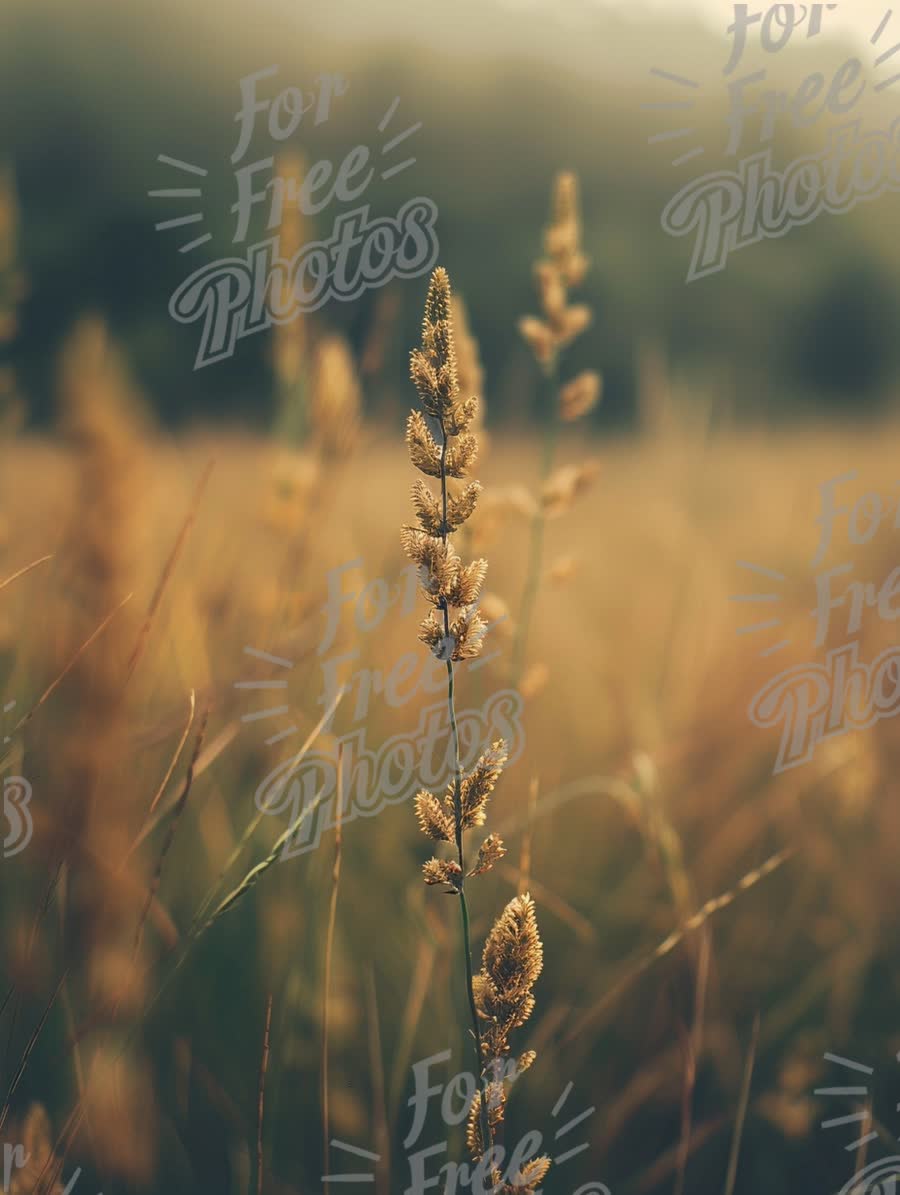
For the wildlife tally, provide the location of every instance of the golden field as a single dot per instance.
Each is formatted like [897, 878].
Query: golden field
[582, 573]
[643, 792]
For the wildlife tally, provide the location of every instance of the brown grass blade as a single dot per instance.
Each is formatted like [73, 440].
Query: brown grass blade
[423, 970]
[175, 757]
[54, 685]
[654, 1175]
[525, 850]
[329, 950]
[643, 963]
[379, 1110]
[32, 1042]
[743, 1104]
[253, 875]
[153, 887]
[168, 569]
[256, 821]
[579, 925]
[693, 1050]
[263, 1070]
[205, 759]
[26, 569]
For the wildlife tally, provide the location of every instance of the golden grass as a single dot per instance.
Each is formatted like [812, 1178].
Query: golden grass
[499, 996]
[656, 796]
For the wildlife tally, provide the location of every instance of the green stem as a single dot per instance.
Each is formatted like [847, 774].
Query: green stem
[458, 826]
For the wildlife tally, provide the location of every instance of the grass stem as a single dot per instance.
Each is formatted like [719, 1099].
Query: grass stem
[536, 539]
[458, 820]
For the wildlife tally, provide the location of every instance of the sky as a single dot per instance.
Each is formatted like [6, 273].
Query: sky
[857, 17]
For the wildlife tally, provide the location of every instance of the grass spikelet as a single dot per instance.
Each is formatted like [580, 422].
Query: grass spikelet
[565, 485]
[442, 871]
[579, 396]
[434, 822]
[490, 852]
[477, 787]
[513, 953]
[565, 266]
[468, 365]
[561, 322]
[530, 1176]
[562, 238]
[512, 961]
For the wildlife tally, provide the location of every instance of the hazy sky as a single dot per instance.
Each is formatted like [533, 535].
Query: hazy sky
[860, 17]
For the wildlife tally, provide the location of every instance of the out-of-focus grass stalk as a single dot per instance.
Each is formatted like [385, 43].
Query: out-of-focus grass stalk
[329, 954]
[549, 383]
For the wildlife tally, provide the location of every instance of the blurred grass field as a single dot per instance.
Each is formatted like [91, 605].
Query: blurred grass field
[655, 794]
[171, 542]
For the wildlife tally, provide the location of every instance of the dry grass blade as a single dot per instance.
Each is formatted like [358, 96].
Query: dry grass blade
[32, 1042]
[175, 757]
[263, 1071]
[655, 1174]
[54, 685]
[581, 926]
[743, 1104]
[527, 839]
[205, 759]
[862, 1151]
[198, 928]
[26, 569]
[693, 1048]
[173, 826]
[77, 1061]
[249, 881]
[222, 740]
[35, 925]
[591, 786]
[329, 950]
[52, 1168]
[642, 964]
[421, 980]
[379, 1110]
[253, 875]
[166, 574]
[256, 821]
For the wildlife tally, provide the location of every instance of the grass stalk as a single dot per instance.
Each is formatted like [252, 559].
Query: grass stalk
[260, 1106]
[549, 382]
[329, 955]
[458, 818]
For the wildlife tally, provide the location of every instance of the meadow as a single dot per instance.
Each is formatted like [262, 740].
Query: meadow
[641, 794]
[618, 638]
